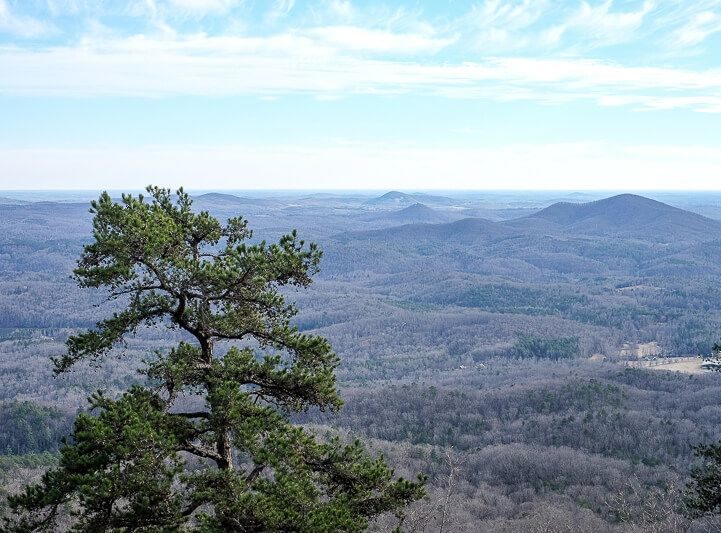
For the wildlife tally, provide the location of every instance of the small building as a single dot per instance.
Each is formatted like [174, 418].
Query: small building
[711, 364]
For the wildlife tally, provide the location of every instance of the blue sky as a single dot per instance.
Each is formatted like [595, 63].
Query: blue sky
[233, 94]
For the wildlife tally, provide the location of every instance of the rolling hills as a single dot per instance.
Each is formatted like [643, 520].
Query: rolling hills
[624, 216]
[426, 315]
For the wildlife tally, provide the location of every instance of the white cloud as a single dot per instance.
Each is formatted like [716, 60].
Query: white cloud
[496, 26]
[381, 52]
[151, 6]
[284, 6]
[341, 8]
[325, 63]
[63, 7]
[361, 39]
[703, 104]
[204, 7]
[280, 9]
[593, 74]
[696, 30]
[503, 25]
[599, 25]
[20, 25]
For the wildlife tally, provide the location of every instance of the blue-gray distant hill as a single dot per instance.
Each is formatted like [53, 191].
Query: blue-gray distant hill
[464, 231]
[413, 214]
[213, 200]
[626, 215]
[398, 199]
[11, 201]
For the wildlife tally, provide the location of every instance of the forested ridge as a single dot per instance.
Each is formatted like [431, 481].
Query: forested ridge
[465, 350]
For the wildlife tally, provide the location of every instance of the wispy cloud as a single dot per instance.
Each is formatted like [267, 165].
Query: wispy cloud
[503, 26]
[499, 50]
[341, 8]
[698, 29]
[495, 26]
[203, 7]
[280, 9]
[21, 25]
[353, 38]
[600, 24]
[325, 62]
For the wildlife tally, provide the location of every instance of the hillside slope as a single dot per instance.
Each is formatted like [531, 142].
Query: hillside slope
[631, 216]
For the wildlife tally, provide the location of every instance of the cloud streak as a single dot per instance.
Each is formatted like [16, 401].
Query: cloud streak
[519, 49]
[204, 7]
[21, 25]
[337, 62]
[698, 29]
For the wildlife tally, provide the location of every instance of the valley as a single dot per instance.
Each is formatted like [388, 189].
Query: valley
[496, 338]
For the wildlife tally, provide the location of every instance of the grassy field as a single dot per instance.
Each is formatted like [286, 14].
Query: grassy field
[687, 365]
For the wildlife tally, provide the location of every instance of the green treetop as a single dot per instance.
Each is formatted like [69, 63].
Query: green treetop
[234, 462]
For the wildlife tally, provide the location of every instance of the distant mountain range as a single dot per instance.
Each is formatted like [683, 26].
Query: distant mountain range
[624, 267]
[623, 216]
[622, 237]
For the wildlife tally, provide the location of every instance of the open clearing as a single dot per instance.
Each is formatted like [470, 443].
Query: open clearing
[687, 365]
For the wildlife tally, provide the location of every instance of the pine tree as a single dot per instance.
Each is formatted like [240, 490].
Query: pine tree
[235, 462]
[703, 493]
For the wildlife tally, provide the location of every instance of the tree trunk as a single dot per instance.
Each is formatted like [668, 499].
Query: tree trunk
[225, 450]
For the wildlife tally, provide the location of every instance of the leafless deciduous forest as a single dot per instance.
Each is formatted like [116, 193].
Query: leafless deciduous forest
[484, 340]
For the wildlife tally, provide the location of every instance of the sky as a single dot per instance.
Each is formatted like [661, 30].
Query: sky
[352, 94]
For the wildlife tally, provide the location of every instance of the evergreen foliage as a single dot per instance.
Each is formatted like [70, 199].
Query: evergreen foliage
[30, 428]
[529, 346]
[703, 494]
[232, 461]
